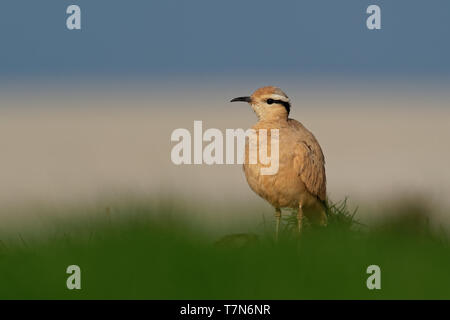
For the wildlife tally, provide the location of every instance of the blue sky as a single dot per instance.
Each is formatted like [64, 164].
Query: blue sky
[142, 37]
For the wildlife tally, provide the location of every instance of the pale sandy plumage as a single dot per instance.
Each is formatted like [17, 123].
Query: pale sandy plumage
[300, 182]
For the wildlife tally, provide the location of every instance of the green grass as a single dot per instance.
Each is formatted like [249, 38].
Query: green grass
[155, 254]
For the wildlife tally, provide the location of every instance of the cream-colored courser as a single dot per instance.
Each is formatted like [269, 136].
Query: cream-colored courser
[300, 182]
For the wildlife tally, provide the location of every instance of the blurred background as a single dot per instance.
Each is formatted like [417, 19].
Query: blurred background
[87, 115]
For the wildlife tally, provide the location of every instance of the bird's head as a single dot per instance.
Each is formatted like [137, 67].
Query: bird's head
[269, 103]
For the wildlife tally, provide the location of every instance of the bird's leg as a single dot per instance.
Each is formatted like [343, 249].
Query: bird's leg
[300, 219]
[277, 225]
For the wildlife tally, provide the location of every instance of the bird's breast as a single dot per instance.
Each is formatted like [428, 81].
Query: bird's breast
[281, 189]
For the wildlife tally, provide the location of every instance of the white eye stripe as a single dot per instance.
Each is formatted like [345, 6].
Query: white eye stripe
[278, 97]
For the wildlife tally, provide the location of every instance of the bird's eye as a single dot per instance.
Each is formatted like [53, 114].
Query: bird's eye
[269, 101]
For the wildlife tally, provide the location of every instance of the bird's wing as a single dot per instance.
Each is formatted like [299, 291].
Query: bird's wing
[310, 163]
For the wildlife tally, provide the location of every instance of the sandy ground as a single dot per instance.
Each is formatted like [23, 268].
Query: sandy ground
[80, 148]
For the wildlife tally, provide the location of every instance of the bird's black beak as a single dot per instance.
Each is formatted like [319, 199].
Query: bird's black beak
[242, 99]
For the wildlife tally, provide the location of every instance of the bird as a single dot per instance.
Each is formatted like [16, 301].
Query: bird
[300, 182]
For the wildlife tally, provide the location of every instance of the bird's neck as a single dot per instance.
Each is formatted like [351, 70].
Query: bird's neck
[274, 118]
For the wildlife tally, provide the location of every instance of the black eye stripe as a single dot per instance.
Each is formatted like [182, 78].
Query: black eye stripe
[285, 104]
[270, 101]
